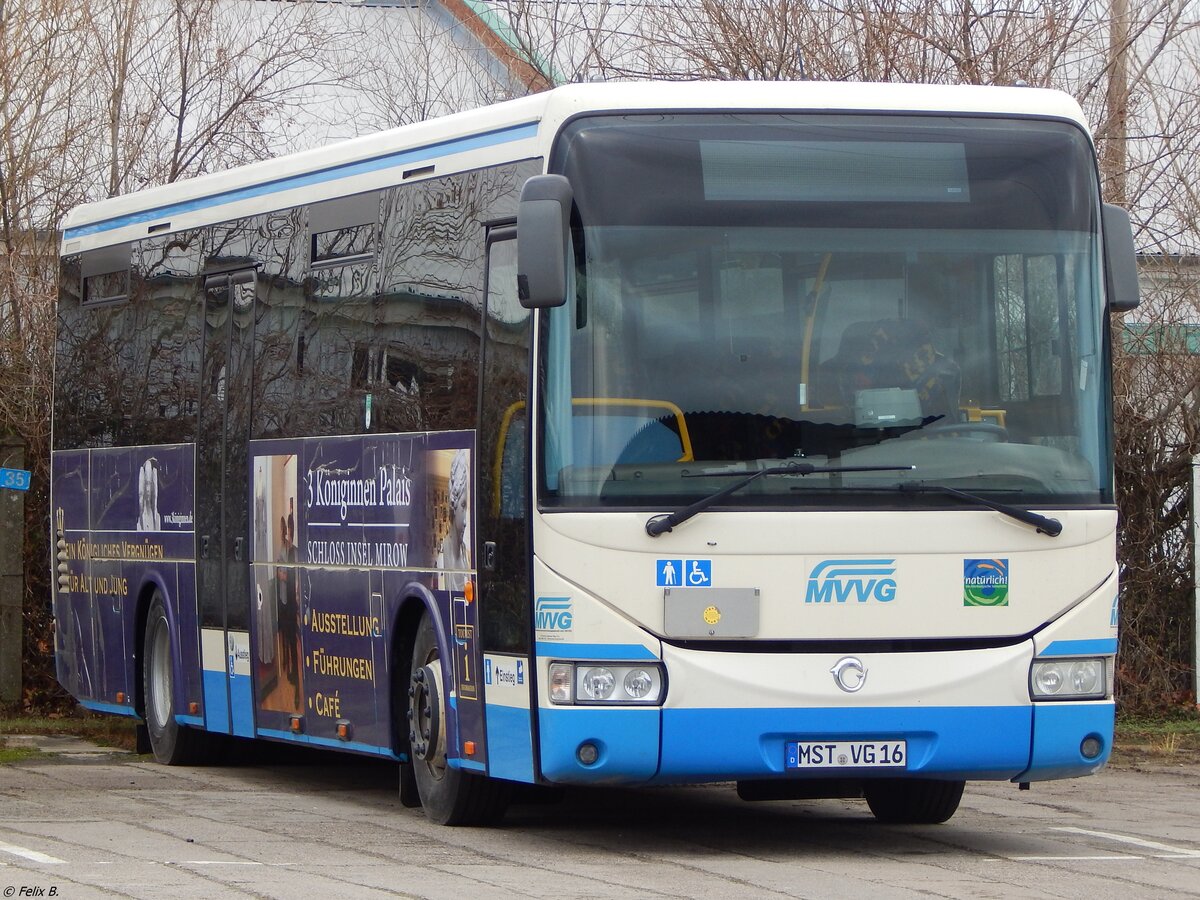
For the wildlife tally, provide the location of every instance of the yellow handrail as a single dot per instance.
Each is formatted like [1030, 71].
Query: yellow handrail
[685, 439]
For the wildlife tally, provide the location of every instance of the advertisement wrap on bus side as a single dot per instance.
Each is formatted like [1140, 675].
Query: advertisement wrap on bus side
[123, 517]
[340, 527]
[336, 526]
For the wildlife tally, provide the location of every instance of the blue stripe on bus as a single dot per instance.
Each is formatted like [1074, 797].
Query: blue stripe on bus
[103, 707]
[970, 742]
[469, 764]
[594, 651]
[1058, 731]
[510, 749]
[196, 721]
[326, 742]
[626, 739]
[321, 176]
[216, 701]
[1098, 647]
[243, 705]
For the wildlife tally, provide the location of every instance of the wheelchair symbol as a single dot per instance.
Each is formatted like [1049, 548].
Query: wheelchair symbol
[699, 572]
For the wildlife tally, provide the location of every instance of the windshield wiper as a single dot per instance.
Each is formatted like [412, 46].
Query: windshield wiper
[664, 522]
[1044, 524]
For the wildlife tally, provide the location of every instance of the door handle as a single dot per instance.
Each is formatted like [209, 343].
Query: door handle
[204, 546]
[238, 544]
[489, 555]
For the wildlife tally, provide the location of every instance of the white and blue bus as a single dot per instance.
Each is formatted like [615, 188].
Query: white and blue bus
[621, 434]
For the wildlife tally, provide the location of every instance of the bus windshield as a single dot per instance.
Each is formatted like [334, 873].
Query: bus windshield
[875, 292]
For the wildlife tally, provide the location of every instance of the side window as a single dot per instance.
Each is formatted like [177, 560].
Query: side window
[503, 492]
[506, 376]
[87, 369]
[128, 347]
[279, 407]
[340, 318]
[424, 363]
[106, 275]
[1034, 325]
[162, 336]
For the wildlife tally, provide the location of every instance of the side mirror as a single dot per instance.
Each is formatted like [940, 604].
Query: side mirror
[544, 241]
[1120, 259]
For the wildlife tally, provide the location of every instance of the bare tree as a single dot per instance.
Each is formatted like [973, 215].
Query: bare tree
[40, 45]
[412, 67]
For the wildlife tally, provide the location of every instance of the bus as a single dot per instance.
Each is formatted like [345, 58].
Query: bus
[622, 434]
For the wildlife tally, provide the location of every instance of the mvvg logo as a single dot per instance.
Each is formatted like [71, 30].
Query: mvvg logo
[852, 579]
[554, 613]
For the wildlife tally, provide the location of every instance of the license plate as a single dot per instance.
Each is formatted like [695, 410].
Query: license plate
[846, 754]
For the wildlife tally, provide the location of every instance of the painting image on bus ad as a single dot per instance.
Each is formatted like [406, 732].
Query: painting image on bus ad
[335, 521]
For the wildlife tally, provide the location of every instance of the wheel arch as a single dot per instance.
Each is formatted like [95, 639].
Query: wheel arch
[153, 582]
[415, 600]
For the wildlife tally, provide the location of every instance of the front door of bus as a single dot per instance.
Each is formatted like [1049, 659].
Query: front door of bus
[222, 500]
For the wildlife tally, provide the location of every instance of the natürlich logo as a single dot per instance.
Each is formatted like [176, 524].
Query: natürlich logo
[852, 579]
[985, 582]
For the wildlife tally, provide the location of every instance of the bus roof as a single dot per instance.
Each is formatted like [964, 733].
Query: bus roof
[505, 132]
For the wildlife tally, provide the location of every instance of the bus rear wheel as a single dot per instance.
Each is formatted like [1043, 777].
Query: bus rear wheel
[449, 796]
[911, 801]
[172, 744]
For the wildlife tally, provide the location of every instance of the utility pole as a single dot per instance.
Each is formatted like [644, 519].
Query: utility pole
[1116, 157]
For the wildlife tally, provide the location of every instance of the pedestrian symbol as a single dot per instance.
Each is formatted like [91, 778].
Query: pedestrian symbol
[683, 572]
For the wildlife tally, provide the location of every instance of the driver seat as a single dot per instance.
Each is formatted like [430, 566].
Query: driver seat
[895, 353]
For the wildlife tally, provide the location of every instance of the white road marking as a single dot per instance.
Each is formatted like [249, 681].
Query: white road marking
[218, 862]
[31, 855]
[1174, 852]
[1062, 858]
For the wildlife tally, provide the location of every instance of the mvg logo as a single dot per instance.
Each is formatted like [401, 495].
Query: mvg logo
[553, 613]
[852, 579]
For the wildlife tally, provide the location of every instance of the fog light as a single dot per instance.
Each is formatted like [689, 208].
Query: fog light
[598, 683]
[588, 753]
[1087, 676]
[1091, 747]
[1049, 679]
[638, 683]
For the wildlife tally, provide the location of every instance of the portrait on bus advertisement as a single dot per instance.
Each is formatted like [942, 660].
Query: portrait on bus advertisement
[276, 602]
[448, 493]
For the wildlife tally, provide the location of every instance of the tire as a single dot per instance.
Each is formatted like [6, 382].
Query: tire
[913, 801]
[172, 744]
[449, 796]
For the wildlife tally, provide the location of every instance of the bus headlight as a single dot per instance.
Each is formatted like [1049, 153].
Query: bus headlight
[1069, 679]
[606, 683]
[597, 683]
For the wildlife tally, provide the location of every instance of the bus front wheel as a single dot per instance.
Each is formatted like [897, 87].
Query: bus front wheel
[172, 744]
[449, 795]
[913, 801]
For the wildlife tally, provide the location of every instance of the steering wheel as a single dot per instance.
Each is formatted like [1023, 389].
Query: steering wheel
[987, 432]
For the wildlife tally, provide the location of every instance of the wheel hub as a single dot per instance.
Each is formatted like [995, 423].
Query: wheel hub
[426, 714]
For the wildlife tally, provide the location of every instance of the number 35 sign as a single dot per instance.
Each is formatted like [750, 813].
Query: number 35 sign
[14, 479]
